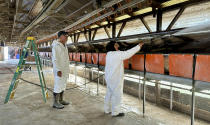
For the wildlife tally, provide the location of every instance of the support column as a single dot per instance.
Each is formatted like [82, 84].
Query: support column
[144, 86]
[113, 30]
[171, 97]
[89, 35]
[159, 19]
[75, 73]
[158, 92]
[193, 92]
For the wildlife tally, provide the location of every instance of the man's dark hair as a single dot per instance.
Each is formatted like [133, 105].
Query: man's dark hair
[60, 33]
[110, 46]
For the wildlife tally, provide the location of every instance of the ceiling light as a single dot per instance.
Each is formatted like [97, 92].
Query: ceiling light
[122, 17]
[142, 11]
[94, 26]
[172, 2]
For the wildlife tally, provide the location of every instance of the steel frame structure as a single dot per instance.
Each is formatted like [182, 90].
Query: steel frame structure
[90, 33]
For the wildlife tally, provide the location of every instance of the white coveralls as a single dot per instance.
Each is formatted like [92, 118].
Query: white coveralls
[114, 76]
[60, 61]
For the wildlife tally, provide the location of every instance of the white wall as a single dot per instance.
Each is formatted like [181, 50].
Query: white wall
[6, 53]
[1, 53]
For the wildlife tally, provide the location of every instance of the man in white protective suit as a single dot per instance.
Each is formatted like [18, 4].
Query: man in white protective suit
[60, 61]
[114, 76]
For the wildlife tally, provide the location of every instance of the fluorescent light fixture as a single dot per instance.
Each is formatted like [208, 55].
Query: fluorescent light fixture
[142, 11]
[122, 17]
[104, 23]
[172, 2]
[94, 26]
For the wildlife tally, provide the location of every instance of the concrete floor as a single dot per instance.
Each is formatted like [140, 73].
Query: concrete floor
[86, 106]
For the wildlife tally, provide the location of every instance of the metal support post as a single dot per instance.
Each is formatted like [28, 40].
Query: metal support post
[103, 79]
[171, 96]
[193, 91]
[91, 74]
[98, 83]
[159, 19]
[144, 91]
[85, 77]
[139, 88]
[98, 76]
[75, 73]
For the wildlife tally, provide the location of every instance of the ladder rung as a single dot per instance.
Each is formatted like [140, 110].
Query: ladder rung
[13, 90]
[12, 95]
[19, 76]
[46, 93]
[16, 84]
[18, 80]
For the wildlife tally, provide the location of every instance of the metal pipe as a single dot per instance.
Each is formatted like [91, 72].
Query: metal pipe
[144, 97]
[91, 74]
[139, 88]
[98, 76]
[85, 77]
[75, 72]
[193, 107]
[103, 80]
[98, 83]
[144, 93]
[159, 20]
[193, 91]
[171, 97]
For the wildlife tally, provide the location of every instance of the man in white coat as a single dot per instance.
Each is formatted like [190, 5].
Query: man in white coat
[60, 61]
[114, 76]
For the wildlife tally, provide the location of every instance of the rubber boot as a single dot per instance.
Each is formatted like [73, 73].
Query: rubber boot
[119, 115]
[61, 99]
[56, 103]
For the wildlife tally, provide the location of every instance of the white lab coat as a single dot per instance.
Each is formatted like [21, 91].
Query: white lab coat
[114, 76]
[60, 60]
